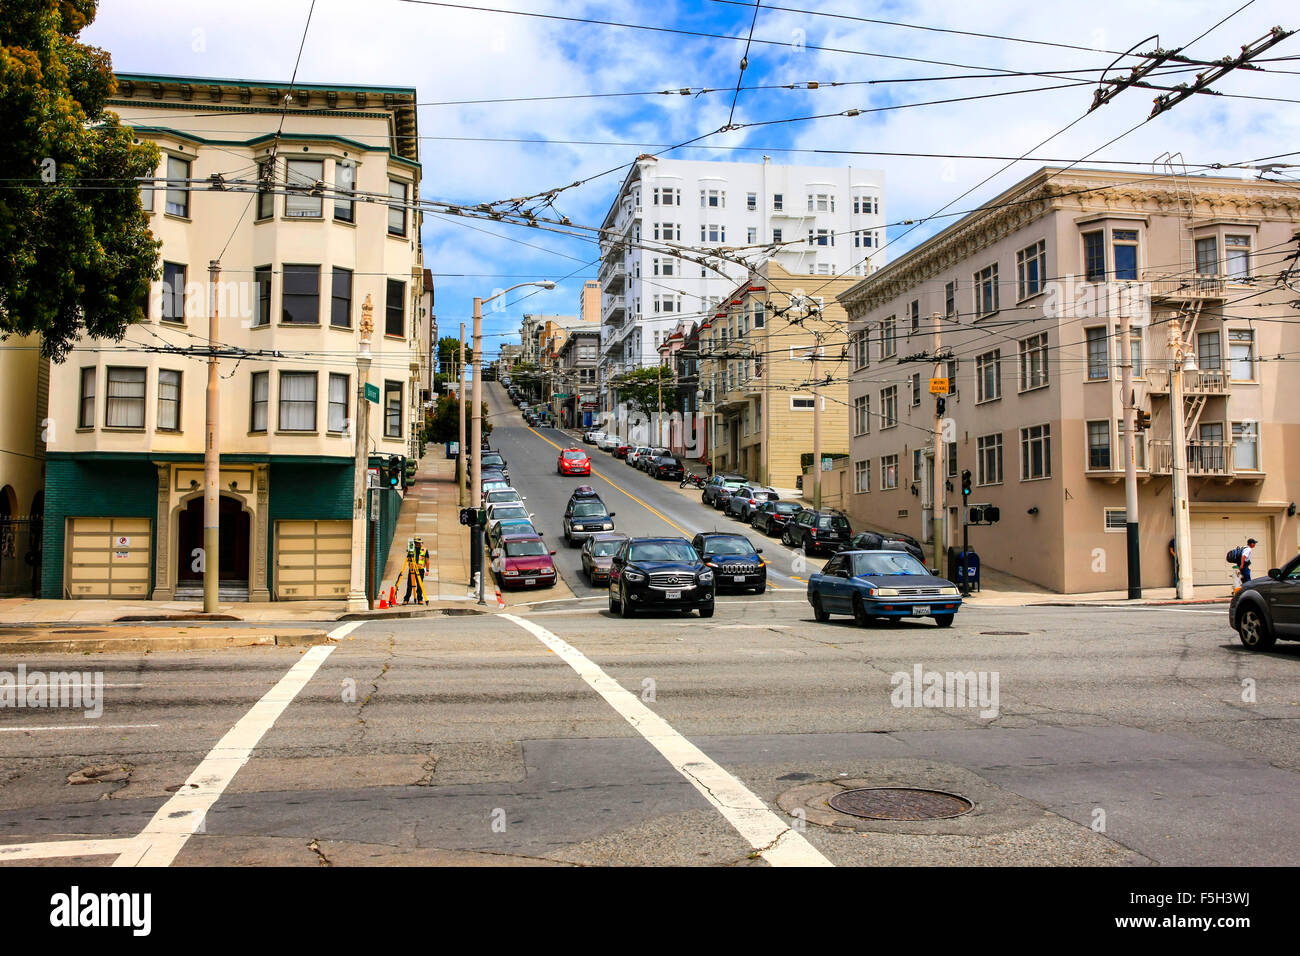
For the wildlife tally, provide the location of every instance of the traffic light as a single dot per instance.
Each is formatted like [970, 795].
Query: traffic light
[1143, 420]
[394, 471]
[992, 513]
[965, 483]
[975, 514]
[411, 464]
[940, 406]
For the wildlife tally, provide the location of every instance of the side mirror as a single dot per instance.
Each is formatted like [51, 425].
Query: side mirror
[1275, 573]
[613, 513]
[759, 550]
[552, 554]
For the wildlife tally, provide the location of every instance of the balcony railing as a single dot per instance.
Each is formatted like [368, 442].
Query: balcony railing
[1205, 459]
[612, 274]
[1210, 381]
[615, 306]
[1184, 288]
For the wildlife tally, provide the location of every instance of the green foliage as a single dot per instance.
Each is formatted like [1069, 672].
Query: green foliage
[442, 422]
[449, 355]
[643, 388]
[78, 254]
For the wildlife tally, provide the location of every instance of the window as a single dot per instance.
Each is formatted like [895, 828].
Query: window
[751, 201]
[300, 181]
[988, 459]
[821, 202]
[1099, 445]
[395, 309]
[1116, 519]
[889, 407]
[1245, 448]
[865, 205]
[337, 419]
[862, 415]
[178, 186]
[751, 235]
[1135, 350]
[392, 409]
[298, 401]
[988, 376]
[950, 456]
[917, 460]
[1031, 269]
[1207, 256]
[713, 232]
[952, 366]
[864, 238]
[260, 394]
[169, 400]
[1241, 352]
[778, 202]
[1098, 353]
[662, 266]
[862, 476]
[125, 405]
[1209, 350]
[300, 295]
[950, 299]
[888, 338]
[173, 293]
[861, 349]
[341, 298]
[262, 284]
[888, 472]
[666, 196]
[776, 235]
[265, 185]
[760, 315]
[146, 194]
[1124, 243]
[820, 237]
[1033, 362]
[1236, 254]
[801, 403]
[914, 313]
[1035, 452]
[667, 230]
[1094, 256]
[345, 180]
[916, 389]
[396, 207]
[713, 199]
[86, 413]
[986, 291]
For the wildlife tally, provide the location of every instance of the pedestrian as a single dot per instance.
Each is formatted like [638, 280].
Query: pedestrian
[1174, 554]
[708, 468]
[1246, 552]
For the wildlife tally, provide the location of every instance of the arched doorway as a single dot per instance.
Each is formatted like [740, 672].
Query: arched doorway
[234, 543]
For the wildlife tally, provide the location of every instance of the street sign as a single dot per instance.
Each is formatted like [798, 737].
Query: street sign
[826, 464]
[372, 393]
[938, 386]
[374, 507]
[372, 477]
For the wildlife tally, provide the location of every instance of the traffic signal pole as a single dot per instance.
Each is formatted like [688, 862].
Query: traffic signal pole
[212, 458]
[938, 509]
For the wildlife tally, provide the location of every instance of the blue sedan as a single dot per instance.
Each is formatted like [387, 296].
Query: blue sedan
[886, 584]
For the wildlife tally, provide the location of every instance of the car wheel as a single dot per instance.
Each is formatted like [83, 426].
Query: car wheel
[860, 616]
[944, 620]
[706, 611]
[625, 606]
[614, 607]
[820, 614]
[785, 538]
[1254, 630]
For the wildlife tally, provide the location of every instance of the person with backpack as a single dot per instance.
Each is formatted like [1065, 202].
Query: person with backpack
[1246, 552]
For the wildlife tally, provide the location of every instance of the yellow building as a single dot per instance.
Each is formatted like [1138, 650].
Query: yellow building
[23, 432]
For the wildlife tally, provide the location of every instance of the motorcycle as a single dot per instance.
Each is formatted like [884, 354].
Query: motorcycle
[695, 481]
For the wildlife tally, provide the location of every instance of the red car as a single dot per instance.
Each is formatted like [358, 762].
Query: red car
[523, 561]
[573, 461]
[622, 450]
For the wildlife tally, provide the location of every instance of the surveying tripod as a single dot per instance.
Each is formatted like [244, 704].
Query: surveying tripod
[412, 566]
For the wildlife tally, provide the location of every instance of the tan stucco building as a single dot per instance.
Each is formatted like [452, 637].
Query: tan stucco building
[309, 202]
[1026, 293]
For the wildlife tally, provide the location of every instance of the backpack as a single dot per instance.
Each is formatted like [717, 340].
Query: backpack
[1234, 556]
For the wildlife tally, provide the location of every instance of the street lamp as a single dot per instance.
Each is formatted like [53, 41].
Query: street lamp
[476, 435]
[1184, 361]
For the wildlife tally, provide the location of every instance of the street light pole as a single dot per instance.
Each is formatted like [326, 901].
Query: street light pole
[1134, 554]
[1178, 465]
[358, 593]
[460, 402]
[212, 458]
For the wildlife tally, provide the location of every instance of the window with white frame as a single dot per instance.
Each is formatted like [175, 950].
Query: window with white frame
[865, 239]
[260, 394]
[889, 338]
[1035, 452]
[889, 407]
[1236, 256]
[862, 415]
[713, 232]
[801, 403]
[778, 202]
[751, 235]
[1241, 354]
[950, 299]
[751, 201]
[1115, 519]
[988, 459]
[713, 199]
[397, 197]
[169, 400]
[665, 196]
[1245, 447]
[345, 181]
[337, 419]
[917, 464]
[178, 187]
[952, 366]
[1124, 249]
[297, 401]
[86, 408]
[862, 476]
[667, 230]
[861, 349]
[392, 409]
[124, 407]
[776, 236]
[1098, 348]
[821, 202]
[888, 472]
[821, 237]
[950, 457]
[986, 291]
[916, 389]
[1031, 269]
[914, 315]
[1033, 362]
[823, 268]
[1135, 350]
[662, 267]
[1099, 457]
[865, 205]
[988, 376]
[1139, 446]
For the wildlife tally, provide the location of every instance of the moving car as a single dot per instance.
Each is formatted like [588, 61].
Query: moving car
[814, 531]
[888, 584]
[523, 561]
[573, 461]
[666, 466]
[659, 574]
[584, 517]
[721, 486]
[771, 516]
[598, 555]
[885, 541]
[742, 502]
[734, 560]
[1266, 609]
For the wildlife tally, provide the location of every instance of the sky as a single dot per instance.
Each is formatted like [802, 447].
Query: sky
[891, 70]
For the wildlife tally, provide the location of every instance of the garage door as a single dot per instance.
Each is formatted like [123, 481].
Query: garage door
[108, 557]
[1214, 535]
[313, 560]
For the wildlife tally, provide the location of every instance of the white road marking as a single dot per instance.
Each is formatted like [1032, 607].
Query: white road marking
[176, 821]
[86, 726]
[63, 848]
[766, 832]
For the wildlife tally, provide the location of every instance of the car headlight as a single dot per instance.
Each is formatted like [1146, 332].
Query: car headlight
[949, 591]
[887, 592]
[633, 575]
[511, 574]
[607, 526]
[706, 577]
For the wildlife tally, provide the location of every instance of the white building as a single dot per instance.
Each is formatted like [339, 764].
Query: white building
[813, 220]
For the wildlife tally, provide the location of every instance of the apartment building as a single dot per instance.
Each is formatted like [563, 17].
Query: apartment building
[574, 377]
[589, 305]
[671, 214]
[316, 233]
[1026, 294]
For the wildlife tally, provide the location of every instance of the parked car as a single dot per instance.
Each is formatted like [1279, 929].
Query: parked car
[598, 555]
[721, 486]
[584, 517]
[634, 456]
[622, 450]
[593, 437]
[523, 561]
[493, 460]
[486, 475]
[815, 531]
[666, 466]
[736, 563]
[770, 516]
[573, 461]
[745, 500]
[888, 584]
[1266, 609]
[885, 541]
[659, 574]
[647, 460]
[507, 509]
[501, 496]
[609, 443]
[504, 527]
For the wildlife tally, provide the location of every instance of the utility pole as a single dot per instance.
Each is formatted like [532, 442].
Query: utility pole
[938, 508]
[476, 470]
[460, 402]
[1130, 458]
[1178, 464]
[212, 457]
[358, 593]
[817, 422]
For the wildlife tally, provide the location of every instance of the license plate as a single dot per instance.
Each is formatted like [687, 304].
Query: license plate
[673, 595]
[534, 581]
[738, 578]
[921, 609]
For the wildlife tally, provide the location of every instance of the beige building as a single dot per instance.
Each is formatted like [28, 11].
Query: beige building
[589, 307]
[308, 202]
[25, 378]
[1026, 294]
[756, 371]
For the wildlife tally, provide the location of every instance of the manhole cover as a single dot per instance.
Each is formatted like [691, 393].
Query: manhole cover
[1007, 633]
[900, 803]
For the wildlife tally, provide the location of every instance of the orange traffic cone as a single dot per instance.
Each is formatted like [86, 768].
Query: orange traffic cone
[392, 596]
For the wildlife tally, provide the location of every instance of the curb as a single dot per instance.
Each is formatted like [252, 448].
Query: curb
[1129, 604]
[195, 643]
[420, 612]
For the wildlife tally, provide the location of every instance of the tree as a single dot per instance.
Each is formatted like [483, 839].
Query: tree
[449, 355]
[442, 422]
[642, 388]
[78, 254]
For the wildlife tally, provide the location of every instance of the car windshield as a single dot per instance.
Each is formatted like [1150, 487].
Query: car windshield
[728, 546]
[734, 483]
[588, 509]
[492, 460]
[662, 551]
[603, 549]
[787, 508]
[495, 496]
[833, 522]
[495, 485]
[666, 460]
[509, 511]
[525, 549]
[886, 563]
[575, 455]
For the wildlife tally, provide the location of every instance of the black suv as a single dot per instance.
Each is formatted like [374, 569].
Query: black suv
[666, 466]
[886, 541]
[814, 531]
[771, 516]
[1268, 608]
[584, 517]
[734, 560]
[659, 574]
